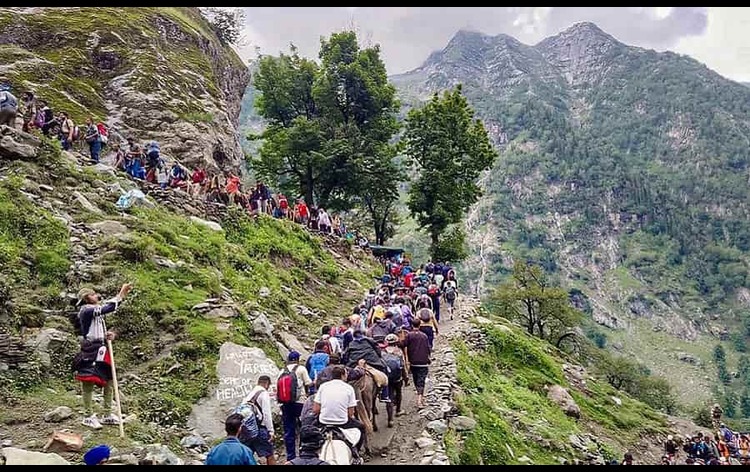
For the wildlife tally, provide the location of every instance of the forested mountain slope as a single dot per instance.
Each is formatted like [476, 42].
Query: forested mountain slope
[624, 171]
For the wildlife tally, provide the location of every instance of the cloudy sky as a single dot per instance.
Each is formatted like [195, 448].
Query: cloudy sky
[716, 36]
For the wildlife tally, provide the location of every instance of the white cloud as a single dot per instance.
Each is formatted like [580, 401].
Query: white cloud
[724, 47]
[407, 35]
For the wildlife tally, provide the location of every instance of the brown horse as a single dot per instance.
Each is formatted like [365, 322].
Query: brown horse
[367, 400]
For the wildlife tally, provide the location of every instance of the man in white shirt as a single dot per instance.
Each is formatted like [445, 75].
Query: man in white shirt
[262, 445]
[335, 404]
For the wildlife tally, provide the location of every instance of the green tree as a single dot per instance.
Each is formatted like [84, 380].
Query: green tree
[720, 356]
[449, 149]
[729, 404]
[290, 153]
[542, 309]
[738, 340]
[745, 403]
[451, 246]
[330, 129]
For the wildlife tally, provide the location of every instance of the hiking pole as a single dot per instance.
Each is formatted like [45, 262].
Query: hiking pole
[114, 383]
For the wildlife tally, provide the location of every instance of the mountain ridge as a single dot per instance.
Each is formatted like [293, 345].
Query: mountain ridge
[615, 175]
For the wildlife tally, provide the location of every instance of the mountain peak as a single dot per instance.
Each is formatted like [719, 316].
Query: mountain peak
[583, 32]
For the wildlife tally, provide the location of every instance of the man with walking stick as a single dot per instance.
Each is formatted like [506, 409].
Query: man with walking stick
[94, 364]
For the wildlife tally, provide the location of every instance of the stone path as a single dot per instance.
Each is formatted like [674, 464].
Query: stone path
[416, 437]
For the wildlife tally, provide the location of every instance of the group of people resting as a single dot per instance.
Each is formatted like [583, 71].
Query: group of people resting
[144, 162]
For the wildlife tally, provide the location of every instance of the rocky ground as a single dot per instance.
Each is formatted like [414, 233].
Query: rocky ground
[417, 437]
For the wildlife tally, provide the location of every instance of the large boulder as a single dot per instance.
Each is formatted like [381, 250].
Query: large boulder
[293, 344]
[11, 149]
[58, 415]
[51, 343]
[561, 397]
[110, 227]
[262, 326]
[209, 224]
[15, 456]
[238, 370]
[161, 455]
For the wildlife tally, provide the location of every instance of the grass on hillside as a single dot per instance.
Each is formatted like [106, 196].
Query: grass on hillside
[504, 391]
[166, 352]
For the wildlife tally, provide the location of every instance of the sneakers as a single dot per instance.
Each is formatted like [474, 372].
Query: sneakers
[92, 422]
[110, 419]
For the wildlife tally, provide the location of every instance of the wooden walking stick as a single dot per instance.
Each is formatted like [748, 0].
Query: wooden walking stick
[114, 384]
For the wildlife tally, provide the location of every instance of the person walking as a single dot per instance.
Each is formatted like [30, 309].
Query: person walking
[93, 139]
[417, 348]
[291, 408]
[259, 397]
[93, 365]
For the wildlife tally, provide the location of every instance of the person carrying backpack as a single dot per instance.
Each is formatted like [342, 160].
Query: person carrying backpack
[311, 441]
[92, 138]
[450, 294]
[317, 362]
[260, 401]
[394, 358]
[291, 394]
[8, 106]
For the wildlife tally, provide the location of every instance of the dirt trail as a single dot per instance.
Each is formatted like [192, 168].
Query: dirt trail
[393, 446]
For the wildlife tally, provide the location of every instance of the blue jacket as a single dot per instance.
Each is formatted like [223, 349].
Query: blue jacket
[230, 452]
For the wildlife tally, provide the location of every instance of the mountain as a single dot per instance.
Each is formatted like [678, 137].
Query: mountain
[624, 172]
[149, 72]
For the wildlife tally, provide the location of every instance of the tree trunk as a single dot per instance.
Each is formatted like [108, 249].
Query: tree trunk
[308, 186]
[378, 233]
[435, 236]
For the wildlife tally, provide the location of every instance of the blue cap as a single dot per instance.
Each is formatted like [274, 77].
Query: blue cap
[293, 356]
[96, 455]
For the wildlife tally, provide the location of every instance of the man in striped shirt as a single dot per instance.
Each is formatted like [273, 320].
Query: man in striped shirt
[93, 364]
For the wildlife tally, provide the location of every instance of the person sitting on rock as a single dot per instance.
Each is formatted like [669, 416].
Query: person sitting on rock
[197, 181]
[93, 364]
[231, 451]
[178, 176]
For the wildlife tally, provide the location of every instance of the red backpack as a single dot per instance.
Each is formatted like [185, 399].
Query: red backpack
[286, 386]
[103, 132]
[283, 203]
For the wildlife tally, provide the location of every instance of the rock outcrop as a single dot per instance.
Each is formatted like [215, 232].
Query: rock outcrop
[154, 73]
[238, 370]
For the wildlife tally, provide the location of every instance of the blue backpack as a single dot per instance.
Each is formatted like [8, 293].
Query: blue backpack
[318, 362]
[250, 425]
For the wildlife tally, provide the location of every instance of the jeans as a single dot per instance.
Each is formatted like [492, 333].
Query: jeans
[290, 414]
[96, 148]
[66, 145]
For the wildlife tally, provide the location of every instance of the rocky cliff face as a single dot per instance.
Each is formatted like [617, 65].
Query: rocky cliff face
[151, 73]
[615, 174]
